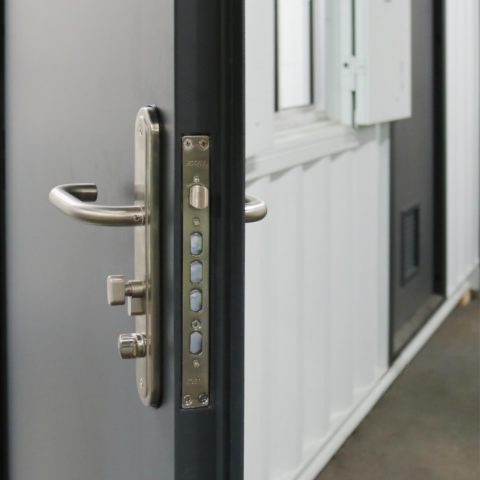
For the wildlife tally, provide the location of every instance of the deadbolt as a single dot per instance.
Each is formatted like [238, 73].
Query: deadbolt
[198, 196]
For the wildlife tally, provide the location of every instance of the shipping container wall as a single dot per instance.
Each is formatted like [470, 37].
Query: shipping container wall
[463, 132]
[316, 303]
[317, 274]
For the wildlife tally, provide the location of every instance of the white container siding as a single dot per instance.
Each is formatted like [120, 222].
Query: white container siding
[317, 277]
[317, 301]
[463, 130]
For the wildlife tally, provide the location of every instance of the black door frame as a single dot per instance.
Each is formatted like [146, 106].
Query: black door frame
[3, 313]
[440, 186]
[440, 179]
[209, 99]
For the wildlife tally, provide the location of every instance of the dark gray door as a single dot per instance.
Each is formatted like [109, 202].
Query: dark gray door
[416, 164]
[76, 75]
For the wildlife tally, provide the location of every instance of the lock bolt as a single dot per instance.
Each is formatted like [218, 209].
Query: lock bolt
[198, 196]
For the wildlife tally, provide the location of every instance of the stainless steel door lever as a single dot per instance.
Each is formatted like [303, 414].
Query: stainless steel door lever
[72, 200]
[143, 293]
[255, 209]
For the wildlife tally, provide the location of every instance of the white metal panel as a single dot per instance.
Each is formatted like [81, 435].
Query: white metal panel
[382, 60]
[315, 272]
[366, 176]
[315, 284]
[340, 266]
[285, 335]
[463, 127]
[259, 75]
[258, 322]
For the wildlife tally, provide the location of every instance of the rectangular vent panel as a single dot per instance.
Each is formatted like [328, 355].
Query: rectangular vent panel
[410, 238]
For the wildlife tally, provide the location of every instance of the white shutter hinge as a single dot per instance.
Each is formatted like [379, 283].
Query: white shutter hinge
[352, 68]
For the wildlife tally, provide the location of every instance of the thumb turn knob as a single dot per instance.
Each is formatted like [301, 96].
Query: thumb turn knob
[118, 289]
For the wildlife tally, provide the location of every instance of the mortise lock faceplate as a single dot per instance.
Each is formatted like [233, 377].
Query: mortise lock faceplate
[196, 268]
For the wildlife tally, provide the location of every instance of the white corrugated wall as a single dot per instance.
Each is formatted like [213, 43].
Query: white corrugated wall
[317, 300]
[463, 131]
[317, 274]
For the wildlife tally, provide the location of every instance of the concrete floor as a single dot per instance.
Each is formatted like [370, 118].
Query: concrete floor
[427, 426]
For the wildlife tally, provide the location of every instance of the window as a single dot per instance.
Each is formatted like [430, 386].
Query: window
[308, 61]
[286, 69]
[294, 56]
[299, 61]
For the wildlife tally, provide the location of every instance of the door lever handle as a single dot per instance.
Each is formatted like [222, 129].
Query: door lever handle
[72, 200]
[255, 209]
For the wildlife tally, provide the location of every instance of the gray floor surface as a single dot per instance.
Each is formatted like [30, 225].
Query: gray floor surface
[427, 425]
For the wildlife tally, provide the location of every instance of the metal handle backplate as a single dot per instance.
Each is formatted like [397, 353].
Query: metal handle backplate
[143, 292]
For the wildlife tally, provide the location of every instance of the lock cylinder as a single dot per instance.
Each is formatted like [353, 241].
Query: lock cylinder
[132, 345]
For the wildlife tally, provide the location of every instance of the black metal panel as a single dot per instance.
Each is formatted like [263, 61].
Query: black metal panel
[209, 82]
[440, 177]
[410, 239]
[4, 471]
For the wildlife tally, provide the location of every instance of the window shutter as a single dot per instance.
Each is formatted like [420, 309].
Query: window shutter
[373, 63]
